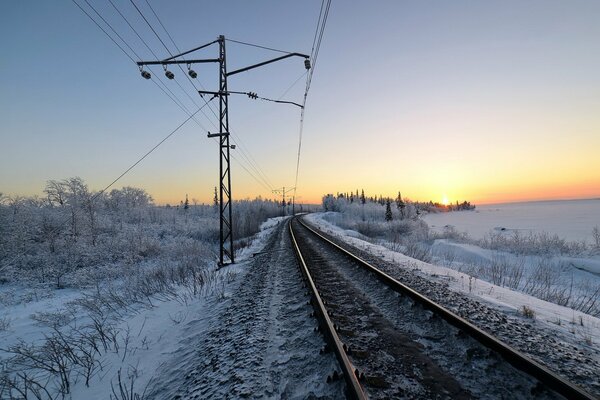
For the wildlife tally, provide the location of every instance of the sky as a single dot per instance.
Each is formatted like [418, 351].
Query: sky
[490, 102]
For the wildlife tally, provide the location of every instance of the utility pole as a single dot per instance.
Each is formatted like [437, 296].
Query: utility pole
[226, 252]
[294, 198]
[283, 191]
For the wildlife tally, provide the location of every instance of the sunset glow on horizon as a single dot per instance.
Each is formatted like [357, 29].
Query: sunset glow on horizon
[488, 102]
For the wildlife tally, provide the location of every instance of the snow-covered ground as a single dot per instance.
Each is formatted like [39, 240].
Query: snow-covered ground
[248, 331]
[550, 250]
[145, 334]
[572, 220]
[576, 327]
[259, 341]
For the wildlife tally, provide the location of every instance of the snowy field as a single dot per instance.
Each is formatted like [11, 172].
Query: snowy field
[98, 289]
[572, 220]
[550, 250]
[92, 345]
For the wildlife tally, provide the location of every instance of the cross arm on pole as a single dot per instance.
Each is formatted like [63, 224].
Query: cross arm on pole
[191, 51]
[165, 62]
[237, 71]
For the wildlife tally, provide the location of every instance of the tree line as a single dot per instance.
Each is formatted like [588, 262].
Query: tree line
[407, 208]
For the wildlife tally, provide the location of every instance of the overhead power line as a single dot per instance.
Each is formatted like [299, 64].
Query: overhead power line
[244, 153]
[118, 178]
[164, 88]
[314, 55]
[103, 30]
[154, 148]
[259, 46]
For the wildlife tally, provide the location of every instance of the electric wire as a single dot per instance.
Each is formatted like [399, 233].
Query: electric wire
[258, 46]
[235, 138]
[263, 180]
[292, 85]
[244, 153]
[316, 46]
[111, 28]
[118, 178]
[165, 89]
[172, 96]
[103, 30]
[152, 150]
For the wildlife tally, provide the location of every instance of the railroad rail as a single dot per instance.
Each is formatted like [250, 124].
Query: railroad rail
[354, 379]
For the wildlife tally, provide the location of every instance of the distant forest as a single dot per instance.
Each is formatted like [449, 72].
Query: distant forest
[330, 202]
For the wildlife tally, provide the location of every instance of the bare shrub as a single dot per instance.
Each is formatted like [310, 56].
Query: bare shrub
[5, 322]
[125, 390]
[418, 250]
[528, 312]
[53, 319]
[596, 237]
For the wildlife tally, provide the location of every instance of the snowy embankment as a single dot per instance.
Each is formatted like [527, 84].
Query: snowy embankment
[578, 327]
[94, 343]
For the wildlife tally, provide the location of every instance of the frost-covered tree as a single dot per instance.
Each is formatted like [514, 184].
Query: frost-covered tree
[388, 210]
[363, 200]
[596, 236]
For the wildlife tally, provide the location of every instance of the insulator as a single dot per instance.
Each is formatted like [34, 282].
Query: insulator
[146, 74]
[169, 74]
[192, 73]
[306, 63]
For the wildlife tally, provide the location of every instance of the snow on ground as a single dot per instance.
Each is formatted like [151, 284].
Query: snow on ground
[572, 220]
[580, 328]
[258, 342]
[579, 270]
[148, 337]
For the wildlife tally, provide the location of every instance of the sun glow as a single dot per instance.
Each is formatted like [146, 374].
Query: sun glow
[445, 200]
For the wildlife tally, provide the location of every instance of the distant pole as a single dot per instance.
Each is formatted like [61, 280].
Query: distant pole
[283, 191]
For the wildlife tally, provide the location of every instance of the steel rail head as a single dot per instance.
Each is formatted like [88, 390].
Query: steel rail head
[353, 385]
[511, 355]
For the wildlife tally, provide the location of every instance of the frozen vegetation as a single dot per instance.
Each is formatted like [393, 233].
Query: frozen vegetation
[535, 262]
[82, 274]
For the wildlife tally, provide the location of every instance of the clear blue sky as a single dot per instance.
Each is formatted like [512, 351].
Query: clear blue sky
[481, 100]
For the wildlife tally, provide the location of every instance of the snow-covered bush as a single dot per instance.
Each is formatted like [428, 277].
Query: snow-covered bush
[405, 232]
[75, 237]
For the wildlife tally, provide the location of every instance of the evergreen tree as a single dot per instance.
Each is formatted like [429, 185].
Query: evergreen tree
[216, 199]
[401, 205]
[186, 204]
[388, 210]
[363, 200]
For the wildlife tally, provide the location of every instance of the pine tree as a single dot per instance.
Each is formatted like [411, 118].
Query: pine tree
[401, 205]
[186, 205]
[216, 199]
[388, 210]
[363, 200]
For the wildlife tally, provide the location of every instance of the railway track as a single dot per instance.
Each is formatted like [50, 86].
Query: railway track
[392, 342]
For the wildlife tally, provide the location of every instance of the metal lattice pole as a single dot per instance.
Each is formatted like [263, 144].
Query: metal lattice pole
[226, 223]
[226, 254]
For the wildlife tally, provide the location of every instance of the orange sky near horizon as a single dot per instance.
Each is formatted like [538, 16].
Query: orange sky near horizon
[487, 102]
